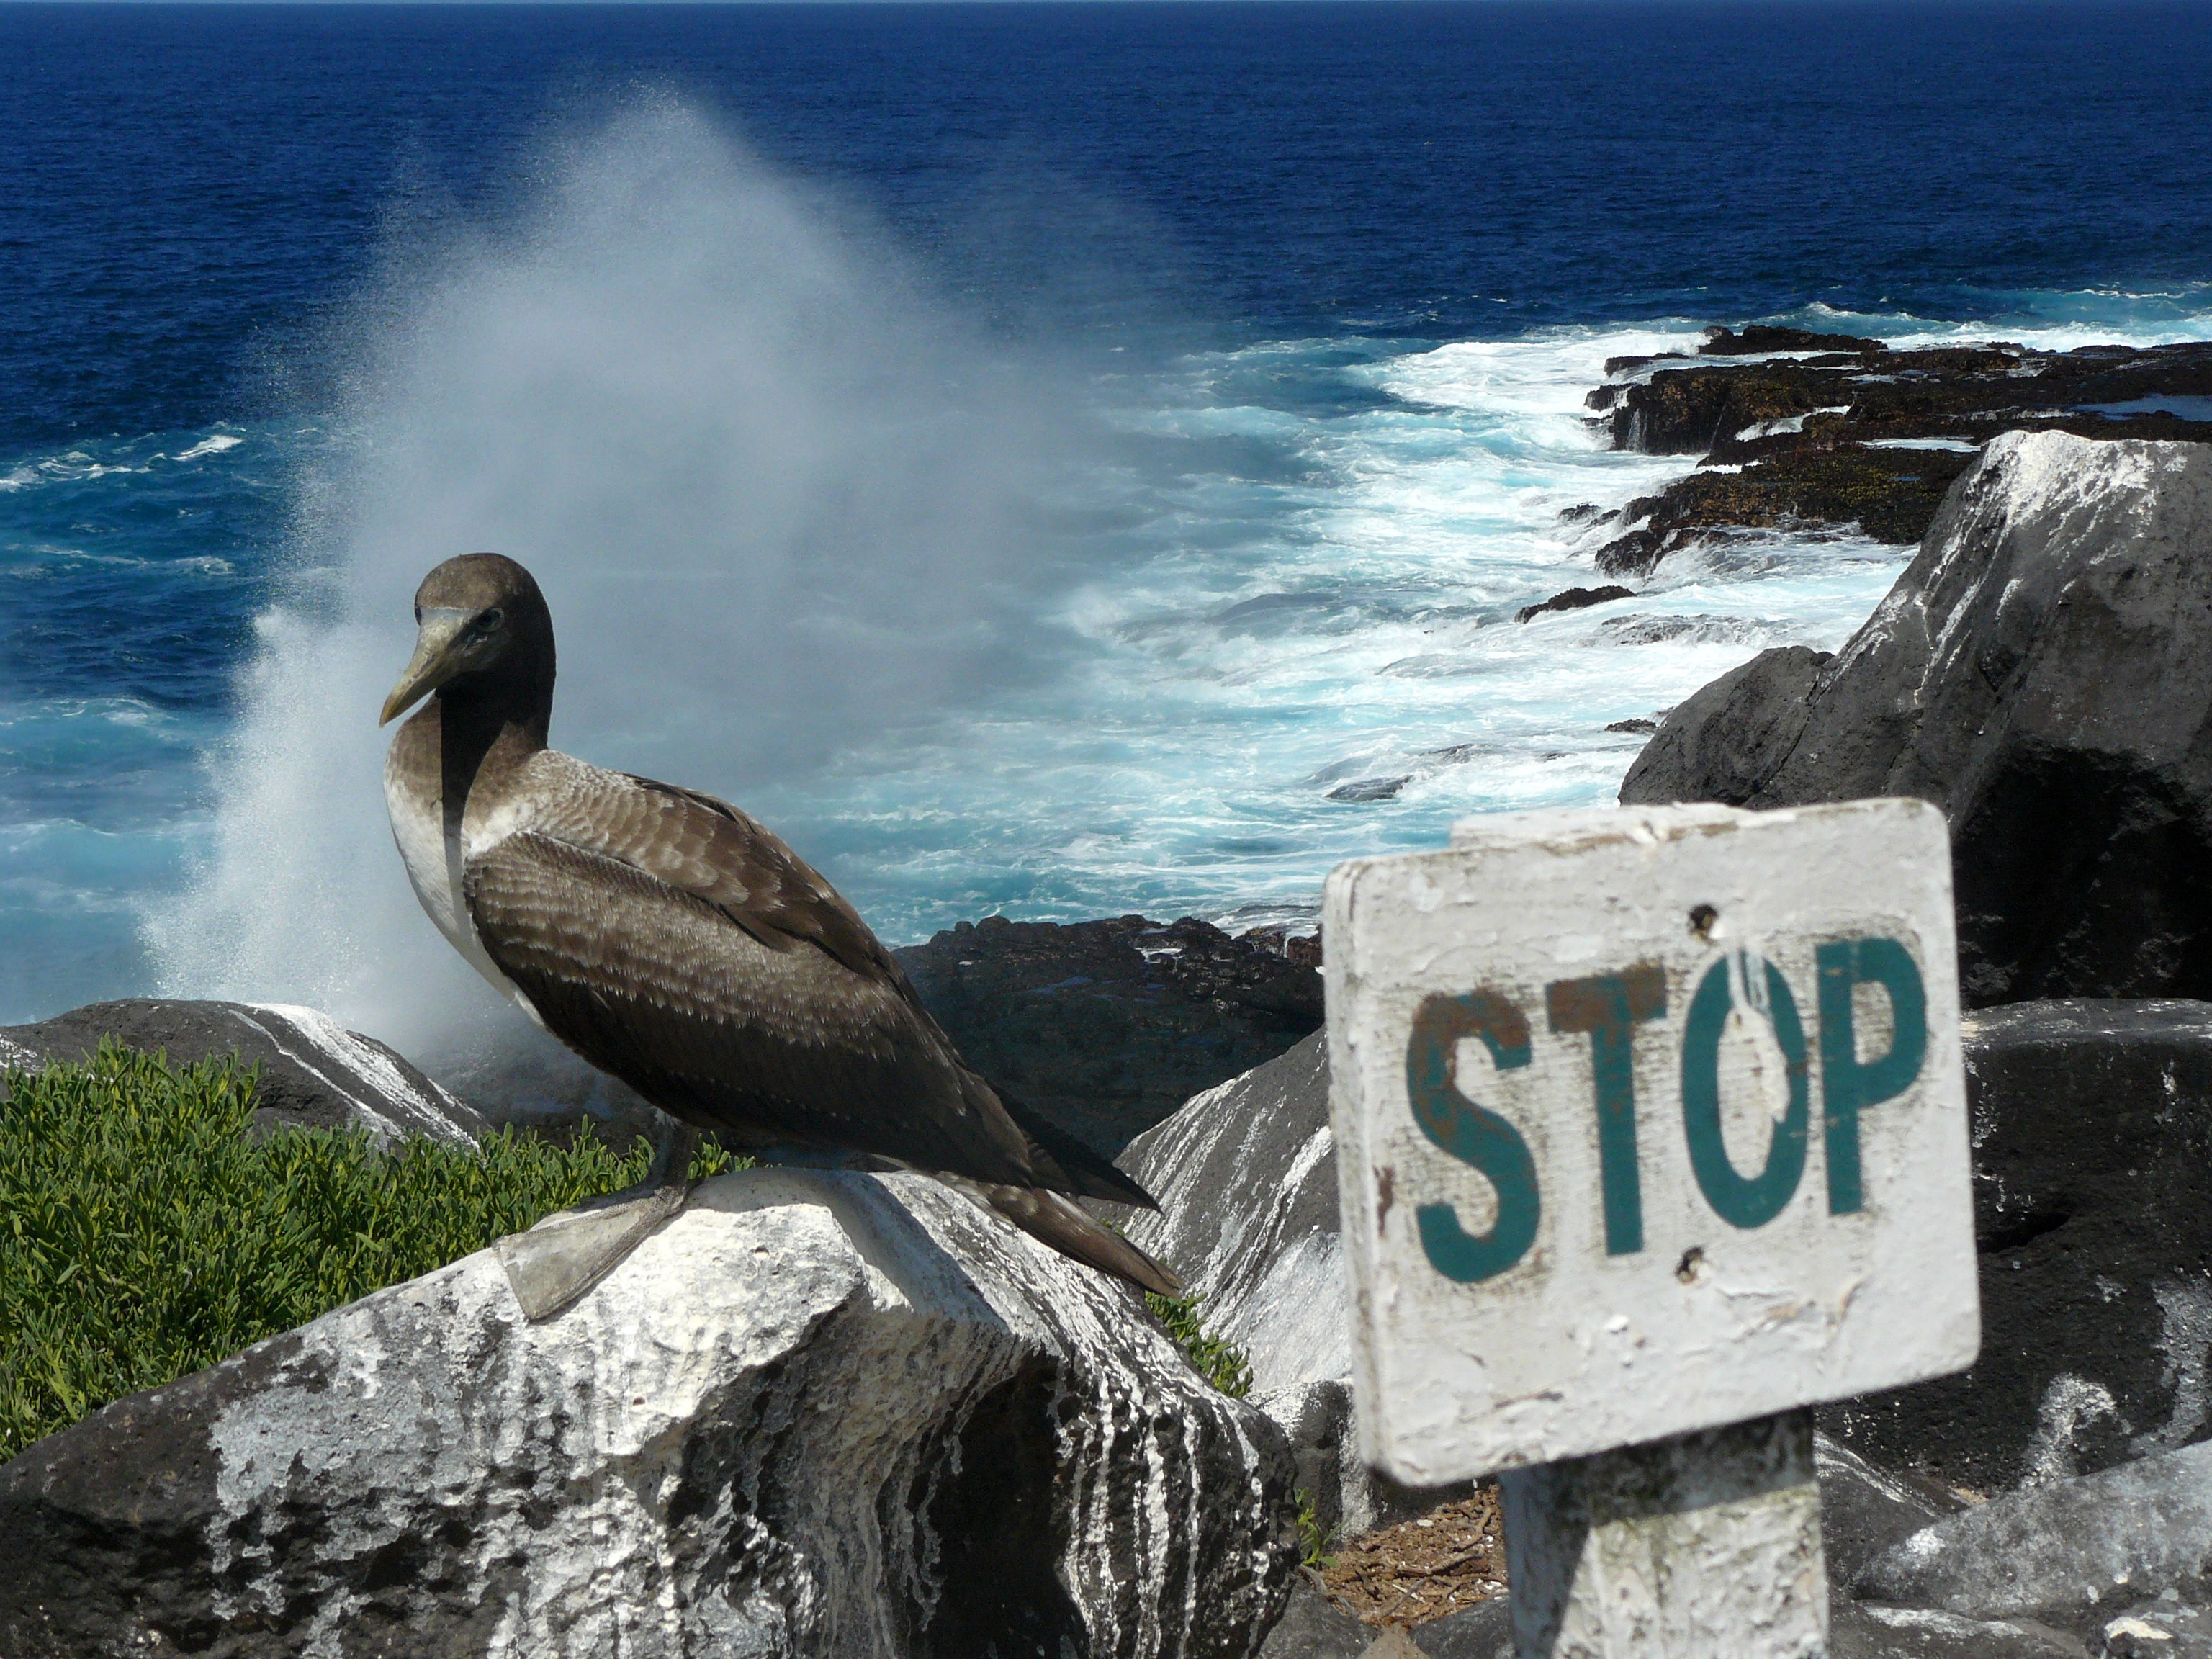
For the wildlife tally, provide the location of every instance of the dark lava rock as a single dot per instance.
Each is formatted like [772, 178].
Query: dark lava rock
[1955, 391]
[1314, 1627]
[1849, 437]
[1860, 1629]
[1285, 940]
[1729, 739]
[1642, 727]
[1483, 1632]
[1892, 494]
[1575, 599]
[1107, 1026]
[2042, 671]
[1865, 1508]
[2093, 1196]
[1765, 337]
[1630, 365]
[314, 1073]
[1371, 788]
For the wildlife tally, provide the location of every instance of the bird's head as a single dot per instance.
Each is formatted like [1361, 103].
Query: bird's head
[478, 618]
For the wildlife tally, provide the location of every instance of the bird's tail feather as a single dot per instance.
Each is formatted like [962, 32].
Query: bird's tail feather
[1066, 1164]
[1060, 1222]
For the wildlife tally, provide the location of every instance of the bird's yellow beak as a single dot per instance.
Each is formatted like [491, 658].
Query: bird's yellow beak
[435, 660]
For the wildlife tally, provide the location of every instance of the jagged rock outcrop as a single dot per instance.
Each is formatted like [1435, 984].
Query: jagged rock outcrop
[2043, 672]
[2092, 1197]
[1858, 436]
[1107, 1026]
[1888, 494]
[816, 1415]
[2081, 1554]
[315, 1072]
[1574, 598]
[1246, 1177]
[1755, 337]
[1854, 390]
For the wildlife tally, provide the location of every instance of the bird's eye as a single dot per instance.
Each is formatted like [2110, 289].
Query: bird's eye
[490, 623]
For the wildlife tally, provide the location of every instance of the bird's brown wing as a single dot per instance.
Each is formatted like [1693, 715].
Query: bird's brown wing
[659, 984]
[746, 870]
[719, 854]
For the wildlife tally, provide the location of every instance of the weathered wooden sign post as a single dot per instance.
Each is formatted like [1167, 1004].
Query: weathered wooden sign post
[1652, 1133]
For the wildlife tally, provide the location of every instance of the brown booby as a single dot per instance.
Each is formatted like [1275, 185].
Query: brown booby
[677, 945]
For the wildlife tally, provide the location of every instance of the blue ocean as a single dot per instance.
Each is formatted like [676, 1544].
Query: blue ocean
[1052, 459]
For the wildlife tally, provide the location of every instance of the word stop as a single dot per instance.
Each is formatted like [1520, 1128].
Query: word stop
[1608, 1008]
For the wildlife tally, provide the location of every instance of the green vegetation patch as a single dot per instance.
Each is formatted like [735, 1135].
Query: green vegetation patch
[1220, 1363]
[145, 1234]
[1314, 1538]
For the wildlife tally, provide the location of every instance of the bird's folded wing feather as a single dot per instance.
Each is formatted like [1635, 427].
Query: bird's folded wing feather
[664, 989]
[745, 869]
[715, 853]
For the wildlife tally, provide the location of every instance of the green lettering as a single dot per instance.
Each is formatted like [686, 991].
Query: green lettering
[1848, 1088]
[1608, 1007]
[1737, 1200]
[1471, 1134]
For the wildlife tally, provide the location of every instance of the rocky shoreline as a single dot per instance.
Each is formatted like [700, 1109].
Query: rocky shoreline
[2039, 673]
[1108, 1026]
[1802, 431]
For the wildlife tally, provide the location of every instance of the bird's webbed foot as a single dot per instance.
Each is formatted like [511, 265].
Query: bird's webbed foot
[567, 1253]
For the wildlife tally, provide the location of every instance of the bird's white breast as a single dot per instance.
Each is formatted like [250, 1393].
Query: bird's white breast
[434, 863]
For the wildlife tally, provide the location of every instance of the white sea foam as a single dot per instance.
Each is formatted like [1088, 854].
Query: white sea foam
[812, 542]
[214, 446]
[2044, 321]
[1342, 674]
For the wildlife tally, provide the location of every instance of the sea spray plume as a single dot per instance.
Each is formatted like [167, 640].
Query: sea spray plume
[785, 496]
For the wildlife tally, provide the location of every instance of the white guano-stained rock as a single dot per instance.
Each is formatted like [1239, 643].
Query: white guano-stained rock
[818, 1414]
[2102, 1540]
[2041, 672]
[1245, 1174]
[314, 1073]
[1246, 1178]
